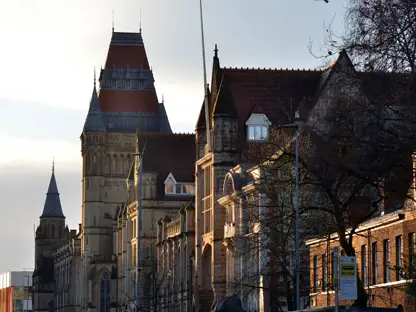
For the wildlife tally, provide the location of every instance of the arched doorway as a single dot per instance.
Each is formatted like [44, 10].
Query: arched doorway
[206, 268]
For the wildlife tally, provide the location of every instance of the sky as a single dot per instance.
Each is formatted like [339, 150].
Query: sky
[49, 51]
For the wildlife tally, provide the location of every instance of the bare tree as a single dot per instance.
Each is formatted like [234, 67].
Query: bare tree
[379, 35]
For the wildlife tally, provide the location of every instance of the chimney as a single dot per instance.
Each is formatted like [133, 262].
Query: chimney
[80, 228]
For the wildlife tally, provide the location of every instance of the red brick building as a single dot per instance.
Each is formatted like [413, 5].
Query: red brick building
[381, 246]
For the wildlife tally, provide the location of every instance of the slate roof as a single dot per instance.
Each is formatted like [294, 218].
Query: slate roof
[238, 92]
[95, 119]
[166, 153]
[52, 207]
[279, 93]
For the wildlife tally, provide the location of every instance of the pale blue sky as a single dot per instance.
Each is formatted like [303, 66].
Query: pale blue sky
[49, 50]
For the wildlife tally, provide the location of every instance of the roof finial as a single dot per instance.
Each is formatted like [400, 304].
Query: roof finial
[163, 99]
[140, 29]
[113, 21]
[53, 164]
[95, 77]
[216, 51]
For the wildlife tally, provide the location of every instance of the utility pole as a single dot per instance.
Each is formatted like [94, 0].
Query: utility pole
[205, 80]
[297, 214]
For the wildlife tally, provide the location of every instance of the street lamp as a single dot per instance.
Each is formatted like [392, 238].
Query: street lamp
[297, 212]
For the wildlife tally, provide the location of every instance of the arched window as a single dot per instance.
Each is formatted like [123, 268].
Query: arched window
[52, 231]
[105, 285]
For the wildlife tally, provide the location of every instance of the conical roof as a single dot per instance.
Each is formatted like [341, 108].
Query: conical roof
[53, 207]
[94, 120]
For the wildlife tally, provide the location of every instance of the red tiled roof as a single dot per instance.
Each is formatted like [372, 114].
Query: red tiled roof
[128, 101]
[166, 153]
[123, 56]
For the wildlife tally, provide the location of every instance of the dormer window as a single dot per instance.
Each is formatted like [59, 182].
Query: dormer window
[172, 187]
[258, 127]
[128, 83]
[113, 83]
[257, 133]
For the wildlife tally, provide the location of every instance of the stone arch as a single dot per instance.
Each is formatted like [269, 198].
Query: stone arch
[53, 231]
[114, 164]
[121, 164]
[207, 267]
[104, 291]
[128, 163]
[226, 141]
[218, 137]
[108, 164]
[228, 186]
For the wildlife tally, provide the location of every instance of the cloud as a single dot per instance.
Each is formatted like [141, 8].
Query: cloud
[24, 188]
[18, 151]
[38, 121]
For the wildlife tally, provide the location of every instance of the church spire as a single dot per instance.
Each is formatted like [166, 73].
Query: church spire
[52, 207]
[94, 120]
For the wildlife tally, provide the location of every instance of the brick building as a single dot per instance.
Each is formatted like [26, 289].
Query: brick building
[382, 245]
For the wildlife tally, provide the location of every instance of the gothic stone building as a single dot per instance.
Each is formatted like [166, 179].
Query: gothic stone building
[49, 234]
[167, 185]
[68, 269]
[108, 141]
[243, 104]
[175, 254]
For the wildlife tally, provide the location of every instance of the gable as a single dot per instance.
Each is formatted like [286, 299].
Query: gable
[258, 119]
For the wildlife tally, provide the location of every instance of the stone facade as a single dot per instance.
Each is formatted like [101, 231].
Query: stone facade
[67, 260]
[126, 96]
[175, 261]
[49, 235]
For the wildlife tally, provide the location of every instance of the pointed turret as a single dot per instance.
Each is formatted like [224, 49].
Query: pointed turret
[94, 120]
[52, 208]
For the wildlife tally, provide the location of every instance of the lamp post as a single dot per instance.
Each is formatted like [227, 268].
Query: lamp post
[297, 214]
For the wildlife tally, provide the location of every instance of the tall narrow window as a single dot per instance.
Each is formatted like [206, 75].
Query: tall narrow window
[315, 274]
[374, 263]
[332, 265]
[364, 268]
[399, 258]
[206, 201]
[411, 253]
[386, 261]
[324, 272]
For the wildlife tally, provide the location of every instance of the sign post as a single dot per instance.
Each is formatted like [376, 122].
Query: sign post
[348, 277]
[335, 251]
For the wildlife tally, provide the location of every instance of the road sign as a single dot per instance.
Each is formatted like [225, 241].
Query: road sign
[348, 277]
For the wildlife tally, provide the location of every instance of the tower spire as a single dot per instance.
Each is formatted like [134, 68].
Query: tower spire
[95, 78]
[113, 22]
[52, 207]
[53, 164]
[140, 29]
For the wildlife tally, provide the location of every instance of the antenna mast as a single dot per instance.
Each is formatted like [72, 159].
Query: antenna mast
[207, 123]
